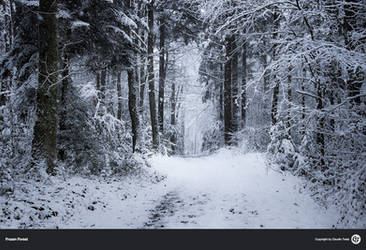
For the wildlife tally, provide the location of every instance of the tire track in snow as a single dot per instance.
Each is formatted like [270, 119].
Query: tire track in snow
[167, 207]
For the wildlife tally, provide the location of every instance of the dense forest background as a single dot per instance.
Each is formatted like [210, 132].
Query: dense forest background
[87, 85]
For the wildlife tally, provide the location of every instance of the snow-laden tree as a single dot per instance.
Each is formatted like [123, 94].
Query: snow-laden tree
[308, 62]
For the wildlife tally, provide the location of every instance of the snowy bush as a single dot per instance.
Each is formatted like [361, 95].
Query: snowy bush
[281, 147]
[213, 138]
[253, 139]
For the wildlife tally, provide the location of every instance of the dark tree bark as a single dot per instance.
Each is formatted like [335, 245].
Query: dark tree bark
[221, 102]
[9, 26]
[235, 86]
[132, 92]
[45, 130]
[266, 73]
[97, 81]
[152, 102]
[227, 92]
[3, 96]
[119, 95]
[276, 89]
[320, 134]
[266, 87]
[173, 102]
[142, 83]
[143, 61]
[244, 87]
[102, 92]
[132, 107]
[65, 85]
[162, 75]
[289, 98]
[274, 110]
[3, 90]
[303, 108]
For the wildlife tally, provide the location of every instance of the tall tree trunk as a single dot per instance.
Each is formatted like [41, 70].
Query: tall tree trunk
[173, 139]
[274, 110]
[220, 108]
[65, 85]
[235, 86]
[227, 93]
[276, 89]
[320, 134]
[303, 108]
[142, 83]
[143, 61]
[289, 99]
[162, 75]
[244, 87]
[102, 92]
[132, 95]
[132, 107]
[45, 129]
[221, 102]
[3, 90]
[119, 95]
[9, 27]
[154, 127]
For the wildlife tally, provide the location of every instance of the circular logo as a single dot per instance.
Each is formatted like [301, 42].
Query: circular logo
[356, 239]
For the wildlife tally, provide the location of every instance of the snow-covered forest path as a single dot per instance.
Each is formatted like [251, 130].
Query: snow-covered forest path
[223, 190]
[229, 190]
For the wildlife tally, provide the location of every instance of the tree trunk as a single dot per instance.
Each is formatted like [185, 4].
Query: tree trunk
[235, 87]
[97, 81]
[289, 99]
[102, 92]
[303, 107]
[65, 84]
[142, 83]
[45, 129]
[132, 107]
[132, 95]
[227, 93]
[274, 109]
[221, 102]
[154, 127]
[143, 61]
[3, 96]
[162, 76]
[244, 87]
[119, 95]
[276, 89]
[320, 134]
[173, 139]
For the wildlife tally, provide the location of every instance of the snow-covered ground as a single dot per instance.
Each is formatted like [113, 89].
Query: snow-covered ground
[224, 190]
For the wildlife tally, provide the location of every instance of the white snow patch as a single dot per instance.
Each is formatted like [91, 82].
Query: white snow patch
[78, 24]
